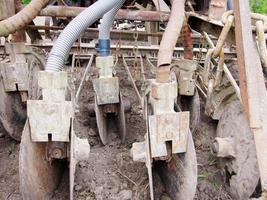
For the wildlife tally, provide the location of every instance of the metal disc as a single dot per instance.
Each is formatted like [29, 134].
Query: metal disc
[179, 175]
[101, 123]
[38, 178]
[242, 172]
[13, 112]
[121, 120]
[72, 164]
[192, 104]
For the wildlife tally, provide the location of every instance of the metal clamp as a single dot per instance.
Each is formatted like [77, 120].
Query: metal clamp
[186, 77]
[50, 118]
[106, 86]
[165, 125]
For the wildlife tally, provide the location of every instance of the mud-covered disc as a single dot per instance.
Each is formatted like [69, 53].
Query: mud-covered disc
[242, 173]
[38, 177]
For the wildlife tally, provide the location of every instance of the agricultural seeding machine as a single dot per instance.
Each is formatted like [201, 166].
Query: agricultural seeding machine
[186, 44]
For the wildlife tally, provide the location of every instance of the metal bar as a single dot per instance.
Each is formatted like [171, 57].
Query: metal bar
[223, 36]
[187, 42]
[253, 90]
[92, 33]
[225, 69]
[67, 11]
[124, 49]
[132, 80]
[84, 77]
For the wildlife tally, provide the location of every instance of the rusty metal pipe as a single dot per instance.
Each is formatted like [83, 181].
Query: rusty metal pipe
[169, 40]
[68, 11]
[22, 18]
[223, 36]
[219, 72]
[187, 42]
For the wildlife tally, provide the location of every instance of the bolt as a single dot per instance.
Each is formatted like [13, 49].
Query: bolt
[57, 153]
[215, 147]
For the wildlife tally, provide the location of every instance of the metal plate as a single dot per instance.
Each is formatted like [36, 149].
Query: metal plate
[13, 112]
[107, 90]
[15, 76]
[172, 127]
[49, 118]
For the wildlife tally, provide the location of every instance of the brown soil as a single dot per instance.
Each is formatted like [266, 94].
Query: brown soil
[110, 172]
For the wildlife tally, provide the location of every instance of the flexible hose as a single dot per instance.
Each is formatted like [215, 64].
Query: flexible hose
[107, 21]
[104, 30]
[172, 33]
[22, 18]
[169, 39]
[73, 31]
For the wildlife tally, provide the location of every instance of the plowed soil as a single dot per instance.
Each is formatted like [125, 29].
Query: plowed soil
[110, 173]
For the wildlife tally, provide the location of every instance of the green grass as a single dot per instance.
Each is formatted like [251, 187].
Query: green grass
[258, 6]
[25, 1]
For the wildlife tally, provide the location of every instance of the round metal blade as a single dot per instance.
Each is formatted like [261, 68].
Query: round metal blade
[72, 164]
[38, 178]
[121, 120]
[101, 121]
[13, 113]
[179, 175]
[242, 172]
[192, 104]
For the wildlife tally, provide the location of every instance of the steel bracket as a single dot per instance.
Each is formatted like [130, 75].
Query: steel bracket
[106, 86]
[107, 90]
[171, 127]
[220, 97]
[15, 76]
[16, 73]
[165, 125]
[186, 80]
[50, 118]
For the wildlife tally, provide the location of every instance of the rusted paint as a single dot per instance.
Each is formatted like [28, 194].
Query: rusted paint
[67, 11]
[188, 42]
